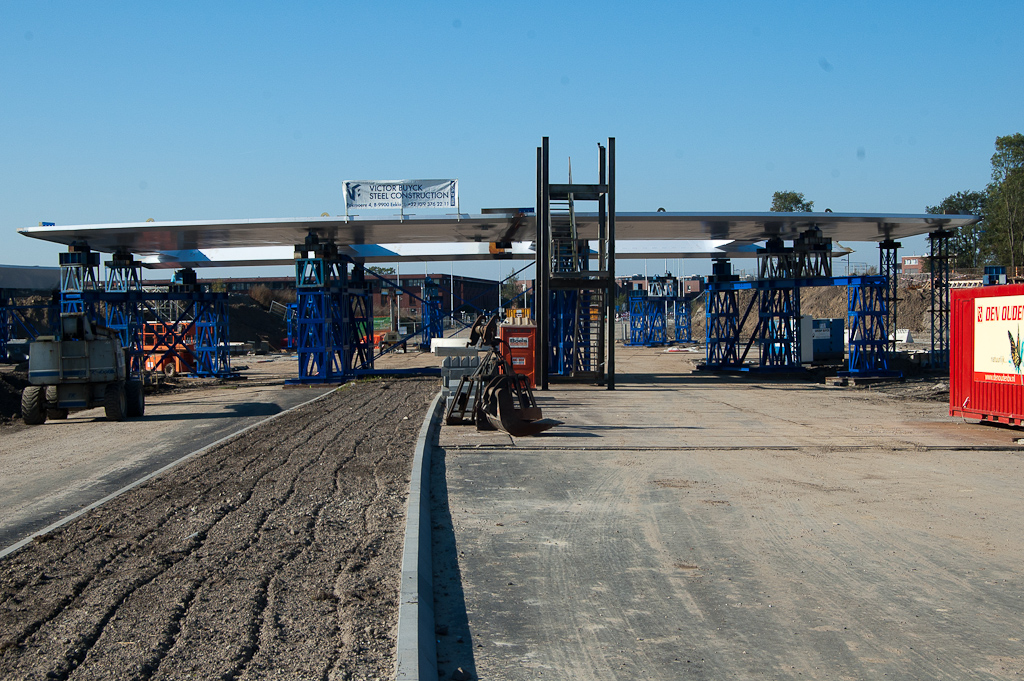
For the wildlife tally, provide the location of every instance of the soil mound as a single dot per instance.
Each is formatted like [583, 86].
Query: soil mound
[274, 555]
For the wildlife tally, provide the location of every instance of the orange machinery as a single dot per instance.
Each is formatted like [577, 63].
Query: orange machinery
[169, 348]
[521, 343]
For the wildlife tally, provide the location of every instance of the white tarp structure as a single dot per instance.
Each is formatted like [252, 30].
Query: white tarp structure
[401, 194]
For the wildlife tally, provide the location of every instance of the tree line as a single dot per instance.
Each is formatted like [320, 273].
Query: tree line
[998, 239]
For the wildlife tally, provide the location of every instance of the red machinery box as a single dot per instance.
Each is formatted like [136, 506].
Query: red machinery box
[519, 348]
[986, 373]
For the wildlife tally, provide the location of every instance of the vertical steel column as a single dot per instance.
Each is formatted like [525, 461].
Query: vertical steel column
[543, 263]
[887, 267]
[610, 356]
[939, 262]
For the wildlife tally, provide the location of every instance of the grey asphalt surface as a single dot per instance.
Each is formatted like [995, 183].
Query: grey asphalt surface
[52, 470]
[711, 527]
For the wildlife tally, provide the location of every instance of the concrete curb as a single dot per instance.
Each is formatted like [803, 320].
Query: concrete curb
[416, 648]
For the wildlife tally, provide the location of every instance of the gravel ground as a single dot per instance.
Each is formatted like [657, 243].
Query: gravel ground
[276, 555]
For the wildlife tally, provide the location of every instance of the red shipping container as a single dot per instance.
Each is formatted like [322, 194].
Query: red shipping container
[986, 380]
[518, 348]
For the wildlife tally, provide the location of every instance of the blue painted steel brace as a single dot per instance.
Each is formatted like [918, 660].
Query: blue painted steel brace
[124, 316]
[867, 310]
[647, 325]
[778, 340]
[779, 303]
[433, 315]
[334, 319]
[683, 314]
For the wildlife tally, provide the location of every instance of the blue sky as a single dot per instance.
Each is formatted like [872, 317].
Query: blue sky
[117, 112]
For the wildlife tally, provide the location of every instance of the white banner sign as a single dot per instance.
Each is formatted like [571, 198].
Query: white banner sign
[997, 339]
[401, 194]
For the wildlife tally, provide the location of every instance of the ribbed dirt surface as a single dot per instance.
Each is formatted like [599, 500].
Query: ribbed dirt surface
[276, 555]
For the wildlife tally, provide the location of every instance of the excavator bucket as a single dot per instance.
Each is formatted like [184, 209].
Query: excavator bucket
[502, 412]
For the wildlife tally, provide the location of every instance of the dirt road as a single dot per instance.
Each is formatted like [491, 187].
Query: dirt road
[272, 556]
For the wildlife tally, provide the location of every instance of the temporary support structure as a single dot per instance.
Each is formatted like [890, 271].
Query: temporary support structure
[433, 315]
[778, 312]
[77, 276]
[127, 305]
[124, 316]
[648, 312]
[334, 318]
[647, 326]
[683, 316]
[867, 309]
[939, 262]
[888, 268]
[574, 302]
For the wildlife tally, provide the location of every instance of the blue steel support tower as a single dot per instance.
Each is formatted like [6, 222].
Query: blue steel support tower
[334, 320]
[433, 314]
[722, 318]
[867, 308]
[648, 311]
[683, 314]
[123, 315]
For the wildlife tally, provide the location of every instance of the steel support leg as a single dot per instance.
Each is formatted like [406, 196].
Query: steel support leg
[866, 313]
[683, 320]
[940, 265]
[887, 267]
[778, 314]
[723, 332]
[124, 315]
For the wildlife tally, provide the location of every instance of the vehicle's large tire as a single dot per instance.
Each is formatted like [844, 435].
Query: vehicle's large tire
[170, 369]
[136, 398]
[115, 402]
[54, 413]
[32, 405]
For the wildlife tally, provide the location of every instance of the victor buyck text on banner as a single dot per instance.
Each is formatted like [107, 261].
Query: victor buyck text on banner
[401, 194]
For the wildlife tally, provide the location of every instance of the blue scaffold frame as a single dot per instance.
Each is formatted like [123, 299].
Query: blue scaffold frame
[722, 317]
[320, 318]
[433, 314]
[778, 341]
[647, 325]
[333, 315]
[778, 315]
[682, 315]
[124, 316]
[570, 340]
